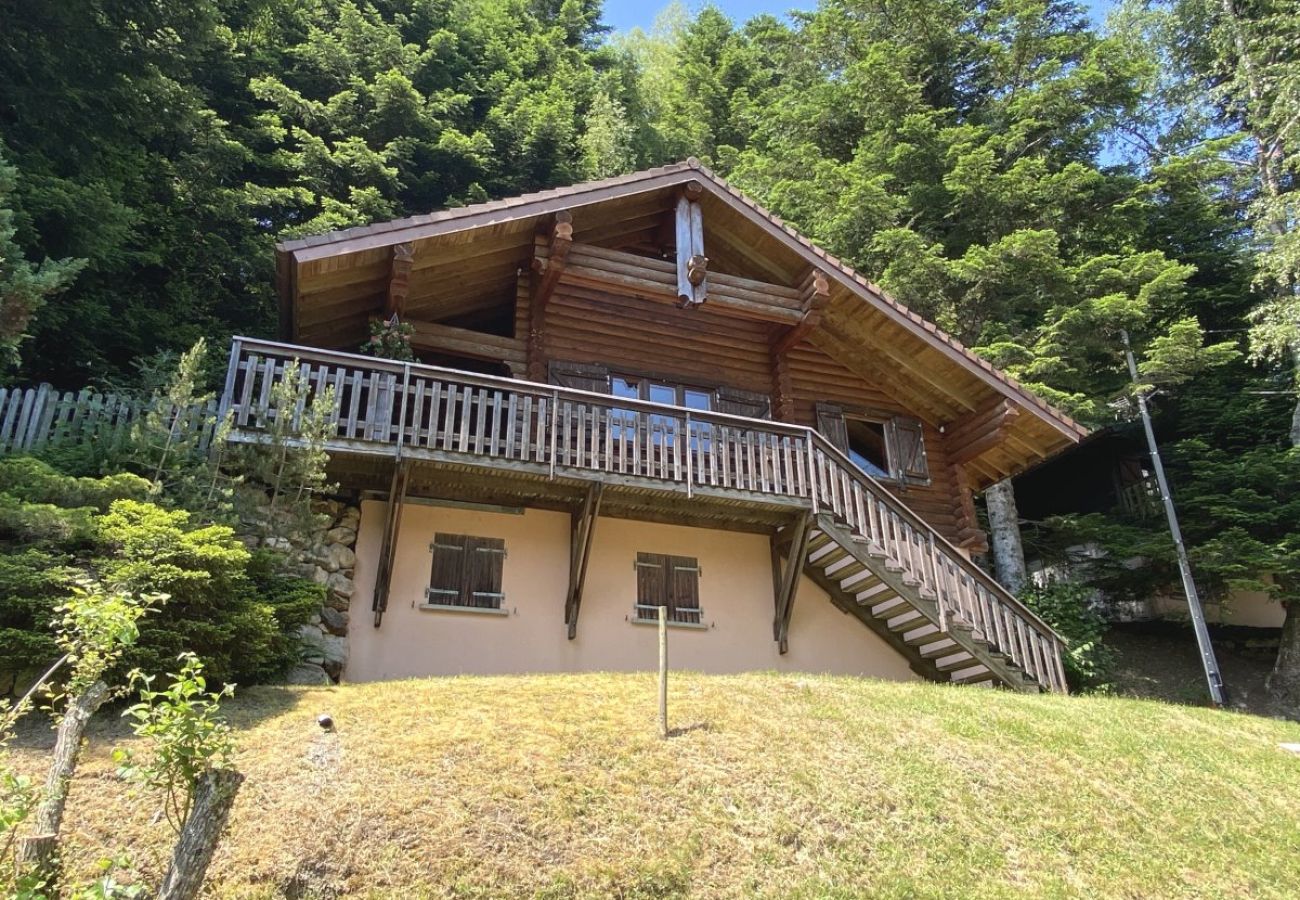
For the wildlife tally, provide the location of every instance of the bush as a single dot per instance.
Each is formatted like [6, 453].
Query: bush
[33, 481]
[1067, 607]
[231, 608]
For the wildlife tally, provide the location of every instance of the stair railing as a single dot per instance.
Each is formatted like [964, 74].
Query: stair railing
[965, 595]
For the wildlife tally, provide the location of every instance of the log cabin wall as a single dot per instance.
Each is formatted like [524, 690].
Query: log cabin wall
[707, 348]
[815, 376]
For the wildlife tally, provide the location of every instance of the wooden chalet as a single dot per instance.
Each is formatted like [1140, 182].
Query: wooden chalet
[649, 391]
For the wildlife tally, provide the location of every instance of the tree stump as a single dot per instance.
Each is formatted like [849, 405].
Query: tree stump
[213, 798]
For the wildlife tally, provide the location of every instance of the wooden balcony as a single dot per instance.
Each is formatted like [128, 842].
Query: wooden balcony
[504, 428]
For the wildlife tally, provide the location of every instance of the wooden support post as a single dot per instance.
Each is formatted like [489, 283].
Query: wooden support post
[663, 672]
[214, 795]
[692, 264]
[547, 271]
[388, 549]
[584, 529]
[788, 588]
[399, 280]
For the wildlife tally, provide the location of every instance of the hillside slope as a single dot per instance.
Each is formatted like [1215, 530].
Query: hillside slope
[774, 786]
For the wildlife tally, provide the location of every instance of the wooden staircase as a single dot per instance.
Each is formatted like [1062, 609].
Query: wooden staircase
[863, 581]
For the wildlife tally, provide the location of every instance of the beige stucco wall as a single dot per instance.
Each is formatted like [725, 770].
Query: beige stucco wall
[1255, 609]
[735, 593]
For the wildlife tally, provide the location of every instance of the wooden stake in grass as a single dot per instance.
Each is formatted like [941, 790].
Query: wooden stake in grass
[663, 672]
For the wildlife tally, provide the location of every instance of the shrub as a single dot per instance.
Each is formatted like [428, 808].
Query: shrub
[1068, 608]
[232, 608]
[35, 481]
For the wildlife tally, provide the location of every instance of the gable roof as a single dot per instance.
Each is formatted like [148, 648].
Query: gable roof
[327, 271]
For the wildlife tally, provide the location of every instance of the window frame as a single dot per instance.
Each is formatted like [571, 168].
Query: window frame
[895, 425]
[464, 589]
[683, 612]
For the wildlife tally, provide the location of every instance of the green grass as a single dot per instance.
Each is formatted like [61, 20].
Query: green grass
[776, 786]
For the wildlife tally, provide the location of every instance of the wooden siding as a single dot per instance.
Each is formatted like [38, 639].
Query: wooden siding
[815, 376]
[709, 349]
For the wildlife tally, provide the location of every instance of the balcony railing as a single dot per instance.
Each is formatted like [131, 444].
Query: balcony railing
[415, 411]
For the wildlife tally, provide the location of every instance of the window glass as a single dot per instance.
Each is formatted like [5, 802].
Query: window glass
[697, 399]
[663, 393]
[867, 446]
[624, 387]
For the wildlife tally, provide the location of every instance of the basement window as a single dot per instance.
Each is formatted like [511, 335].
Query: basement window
[466, 573]
[671, 581]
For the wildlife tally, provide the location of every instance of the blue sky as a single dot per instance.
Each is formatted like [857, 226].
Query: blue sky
[625, 14]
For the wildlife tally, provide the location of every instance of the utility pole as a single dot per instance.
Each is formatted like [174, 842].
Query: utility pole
[1212, 675]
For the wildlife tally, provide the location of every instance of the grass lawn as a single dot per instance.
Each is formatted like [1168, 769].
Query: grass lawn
[774, 786]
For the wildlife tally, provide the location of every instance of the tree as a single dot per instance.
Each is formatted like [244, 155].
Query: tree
[24, 286]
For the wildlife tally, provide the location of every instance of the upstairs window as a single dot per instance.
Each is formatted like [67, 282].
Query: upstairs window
[671, 581]
[879, 443]
[466, 572]
[866, 440]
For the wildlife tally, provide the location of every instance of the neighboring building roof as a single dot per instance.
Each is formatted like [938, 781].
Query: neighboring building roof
[319, 271]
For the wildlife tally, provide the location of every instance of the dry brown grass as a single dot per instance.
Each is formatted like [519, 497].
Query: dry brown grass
[776, 786]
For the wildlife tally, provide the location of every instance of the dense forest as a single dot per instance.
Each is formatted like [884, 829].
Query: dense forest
[1031, 180]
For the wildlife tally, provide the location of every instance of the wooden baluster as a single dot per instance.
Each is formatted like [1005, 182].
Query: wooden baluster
[540, 431]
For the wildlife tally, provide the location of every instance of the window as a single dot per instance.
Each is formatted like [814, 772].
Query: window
[867, 446]
[466, 572]
[671, 581]
[881, 444]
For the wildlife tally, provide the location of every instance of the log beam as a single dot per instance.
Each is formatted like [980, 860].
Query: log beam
[975, 434]
[438, 338]
[392, 525]
[399, 280]
[970, 537]
[643, 277]
[814, 296]
[584, 529]
[548, 265]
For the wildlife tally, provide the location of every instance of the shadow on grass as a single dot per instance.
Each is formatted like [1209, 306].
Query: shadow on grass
[35, 731]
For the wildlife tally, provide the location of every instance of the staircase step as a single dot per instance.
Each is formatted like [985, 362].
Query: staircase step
[837, 568]
[971, 674]
[858, 580]
[926, 634]
[938, 648]
[824, 556]
[882, 607]
[904, 620]
[953, 661]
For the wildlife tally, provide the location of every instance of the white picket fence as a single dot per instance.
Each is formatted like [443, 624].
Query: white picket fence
[32, 419]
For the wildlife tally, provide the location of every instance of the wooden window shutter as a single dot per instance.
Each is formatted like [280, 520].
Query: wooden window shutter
[447, 579]
[486, 560]
[744, 403]
[906, 438]
[651, 584]
[830, 422]
[580, 376]
[684, 598]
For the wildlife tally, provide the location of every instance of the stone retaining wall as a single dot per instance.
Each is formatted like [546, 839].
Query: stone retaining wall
[326, 556]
